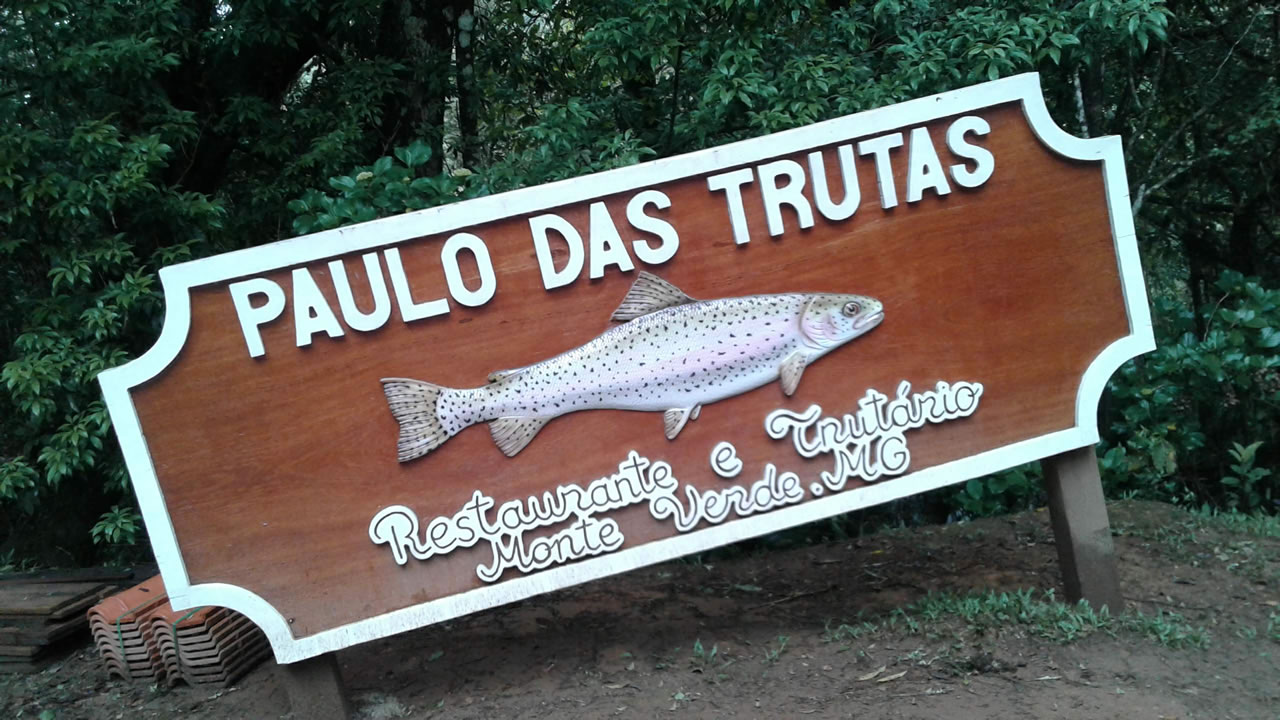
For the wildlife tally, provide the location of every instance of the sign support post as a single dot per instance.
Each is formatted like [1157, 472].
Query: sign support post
[316, 689]
[1081, 530]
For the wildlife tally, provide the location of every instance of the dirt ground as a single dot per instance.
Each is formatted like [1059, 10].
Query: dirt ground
[889, 626]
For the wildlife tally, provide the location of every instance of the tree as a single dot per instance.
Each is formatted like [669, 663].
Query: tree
[142, 133]
[139, 133]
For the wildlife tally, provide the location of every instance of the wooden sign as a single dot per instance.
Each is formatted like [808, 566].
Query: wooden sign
[371, 429]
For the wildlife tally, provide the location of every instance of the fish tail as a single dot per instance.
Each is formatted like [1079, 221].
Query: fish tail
[424, 424]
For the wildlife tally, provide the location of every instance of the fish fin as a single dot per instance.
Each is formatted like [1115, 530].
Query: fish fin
[649, 293]
[697, 410]
[817, 331]
[413, 404]
[675, 419]
[511, 434]
[497, 375]
[791, 370]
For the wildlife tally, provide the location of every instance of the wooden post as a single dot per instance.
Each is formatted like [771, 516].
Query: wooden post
[1081, 529]
[316, 690]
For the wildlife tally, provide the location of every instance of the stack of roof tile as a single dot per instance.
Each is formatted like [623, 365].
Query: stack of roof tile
[118, 624]
[37, 614]
[212, 645]
[141, 636]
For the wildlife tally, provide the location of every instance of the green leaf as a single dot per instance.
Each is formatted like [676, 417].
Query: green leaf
[415, 154]
[1164, 457]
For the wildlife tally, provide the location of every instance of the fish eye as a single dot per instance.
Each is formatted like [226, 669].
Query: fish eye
[851, 309]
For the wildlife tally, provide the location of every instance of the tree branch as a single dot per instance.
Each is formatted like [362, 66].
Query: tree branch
[1144, 190]
[675, 96]
[1084, 123]
[1155, 92]
[1233, 47]
[1168, 142]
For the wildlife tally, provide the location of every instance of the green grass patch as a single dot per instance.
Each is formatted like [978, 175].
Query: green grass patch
[1252, 524]
[1183, 531]
[1041, 616]
[844, 632]
[1036, 613]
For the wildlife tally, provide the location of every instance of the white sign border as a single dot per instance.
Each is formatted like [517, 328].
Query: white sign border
[178, 280]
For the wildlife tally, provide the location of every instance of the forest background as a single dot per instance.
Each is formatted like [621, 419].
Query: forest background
[139, 133]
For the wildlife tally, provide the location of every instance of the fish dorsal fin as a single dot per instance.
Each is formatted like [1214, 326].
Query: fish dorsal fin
[648, 294]
[511, 434]
[497, 375]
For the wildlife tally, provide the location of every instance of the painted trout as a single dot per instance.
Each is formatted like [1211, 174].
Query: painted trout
[671, 354]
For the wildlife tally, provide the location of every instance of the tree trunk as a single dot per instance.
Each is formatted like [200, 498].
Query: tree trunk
[464, 49]
[205, 87]
[1196, 279]
[1241, 243]
[417, 33]
[435, 91]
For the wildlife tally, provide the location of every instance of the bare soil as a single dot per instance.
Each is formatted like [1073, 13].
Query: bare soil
[756, 636]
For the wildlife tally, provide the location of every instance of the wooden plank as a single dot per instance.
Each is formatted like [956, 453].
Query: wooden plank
[1082, 530]
[46, 599]
[279, 479]
[79, 607]
[23, 666]
[112, 575]
[40, 633]
[1023, 339]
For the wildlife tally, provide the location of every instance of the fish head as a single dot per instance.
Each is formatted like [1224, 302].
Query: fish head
[830, 320]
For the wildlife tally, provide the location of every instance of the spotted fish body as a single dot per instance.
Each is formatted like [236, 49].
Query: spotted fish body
[672, 354]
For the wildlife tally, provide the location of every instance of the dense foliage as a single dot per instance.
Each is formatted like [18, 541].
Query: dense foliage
[139, 133]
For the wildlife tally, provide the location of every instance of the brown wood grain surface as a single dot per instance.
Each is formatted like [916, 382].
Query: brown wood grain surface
[46, 599]
[273, 467]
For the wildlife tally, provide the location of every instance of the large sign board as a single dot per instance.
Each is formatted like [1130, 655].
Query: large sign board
[371, 429]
